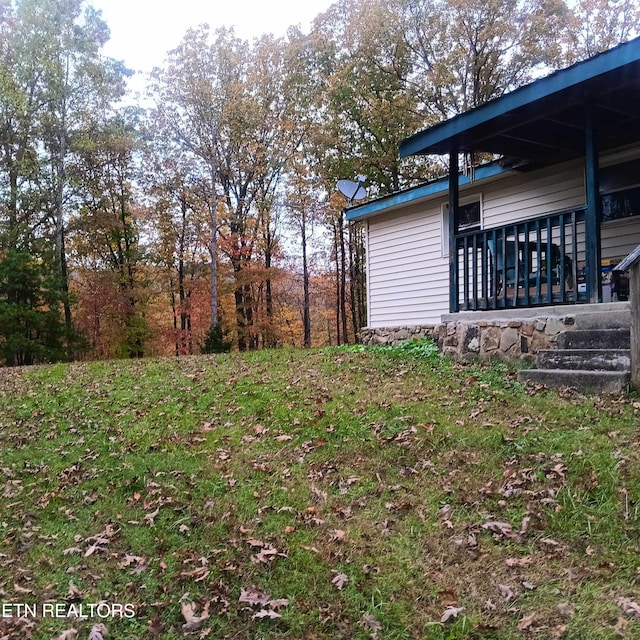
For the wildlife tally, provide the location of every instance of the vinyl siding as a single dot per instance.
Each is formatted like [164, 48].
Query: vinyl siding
[620, 237]
[533, 194]
[407, 275]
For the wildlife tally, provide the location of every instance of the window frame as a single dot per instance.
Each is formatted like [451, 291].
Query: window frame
[444, 220]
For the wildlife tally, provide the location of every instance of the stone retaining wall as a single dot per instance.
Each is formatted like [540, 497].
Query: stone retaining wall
[502, 339]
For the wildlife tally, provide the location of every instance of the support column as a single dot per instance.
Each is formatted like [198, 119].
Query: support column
[454, 190]
[594, 208]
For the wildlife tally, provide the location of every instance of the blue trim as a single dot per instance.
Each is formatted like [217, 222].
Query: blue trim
[439, 186]
[436, 138]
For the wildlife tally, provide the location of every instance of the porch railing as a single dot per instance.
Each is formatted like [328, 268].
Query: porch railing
[540, 261]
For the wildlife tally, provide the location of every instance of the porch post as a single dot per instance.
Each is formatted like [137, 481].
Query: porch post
[454, 303]
[594, 208]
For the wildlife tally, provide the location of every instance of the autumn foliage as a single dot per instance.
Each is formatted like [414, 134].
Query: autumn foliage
[212, 207]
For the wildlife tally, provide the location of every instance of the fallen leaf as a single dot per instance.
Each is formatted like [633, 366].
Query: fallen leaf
[193, 621]
[505, 592]
[266, 613]
[254, 596]
[629, 606]
[340, 580]
[98, 632]
[150, 518]
[252, 542]
[565, 609]
[198, 574]
[519, 562]
[370, 623]
[22, 590]
[621, 626]
[337, 535]
[265, 555]
[502, 528]
[74, 593]
[69, 634]
[451, 612]
[526, 622]
[277, 604]
[156, 628]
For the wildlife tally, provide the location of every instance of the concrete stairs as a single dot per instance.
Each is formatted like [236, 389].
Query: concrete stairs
[593, 357]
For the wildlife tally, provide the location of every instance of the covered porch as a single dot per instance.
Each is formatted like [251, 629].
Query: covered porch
[580, 114]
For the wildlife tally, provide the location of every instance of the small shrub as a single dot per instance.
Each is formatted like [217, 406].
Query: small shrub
[215, 342]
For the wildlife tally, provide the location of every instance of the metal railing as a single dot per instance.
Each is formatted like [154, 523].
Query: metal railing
[539, 261]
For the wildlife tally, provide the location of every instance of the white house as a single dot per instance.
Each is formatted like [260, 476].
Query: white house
[537, 229]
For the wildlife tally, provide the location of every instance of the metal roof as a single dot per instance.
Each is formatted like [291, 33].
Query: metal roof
[544, 122]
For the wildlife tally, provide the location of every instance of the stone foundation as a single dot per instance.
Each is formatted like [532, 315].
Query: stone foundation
[503, 339]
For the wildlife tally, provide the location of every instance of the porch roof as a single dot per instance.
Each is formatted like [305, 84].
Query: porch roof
[543, 122]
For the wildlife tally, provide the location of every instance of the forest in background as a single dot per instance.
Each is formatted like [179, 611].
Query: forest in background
[204, 215]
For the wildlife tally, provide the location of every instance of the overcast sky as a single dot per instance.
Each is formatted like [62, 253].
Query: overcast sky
[142, 31]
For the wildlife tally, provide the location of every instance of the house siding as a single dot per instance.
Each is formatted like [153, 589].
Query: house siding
[620, 237]
[408, 275]
[528, 195]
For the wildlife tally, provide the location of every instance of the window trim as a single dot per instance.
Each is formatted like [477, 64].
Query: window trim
[444, 220]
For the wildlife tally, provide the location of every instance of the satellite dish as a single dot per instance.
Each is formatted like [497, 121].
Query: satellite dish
[353, 190]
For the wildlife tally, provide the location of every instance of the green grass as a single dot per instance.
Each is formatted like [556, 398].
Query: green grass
[352, 482]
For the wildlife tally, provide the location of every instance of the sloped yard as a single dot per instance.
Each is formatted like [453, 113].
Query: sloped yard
[339, 493]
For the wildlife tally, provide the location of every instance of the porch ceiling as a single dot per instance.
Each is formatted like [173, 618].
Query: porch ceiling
[544, 122]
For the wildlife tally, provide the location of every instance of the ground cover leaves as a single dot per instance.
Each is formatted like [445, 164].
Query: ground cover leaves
[331, 494]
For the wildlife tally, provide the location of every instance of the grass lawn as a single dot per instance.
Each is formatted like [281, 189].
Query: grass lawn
[337, 493]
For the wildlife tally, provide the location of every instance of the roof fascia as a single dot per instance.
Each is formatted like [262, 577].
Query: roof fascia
[605, 62]
[415, 194]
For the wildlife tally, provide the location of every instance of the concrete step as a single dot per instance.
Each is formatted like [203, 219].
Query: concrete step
[611, 318]
[603, 381]
[595, 339]
[585, 359]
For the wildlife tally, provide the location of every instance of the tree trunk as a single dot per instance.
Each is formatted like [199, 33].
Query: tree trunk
[213, 249]
[337, 257]
[343, 282]
[306, 311]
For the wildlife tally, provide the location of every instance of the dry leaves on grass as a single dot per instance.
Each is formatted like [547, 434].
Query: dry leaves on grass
[267, 552]
[526, 622]
[98, 632]
[189, 612]
[506, 592]
[450, 613]
[629, 606]
[370, 623]
[340, 580]
[97, 543]
[150, 518]
[268, 605]
[69, 634]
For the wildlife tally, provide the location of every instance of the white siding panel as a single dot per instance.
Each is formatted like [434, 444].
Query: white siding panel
[620, 237]
[530, 195]
[405, 262]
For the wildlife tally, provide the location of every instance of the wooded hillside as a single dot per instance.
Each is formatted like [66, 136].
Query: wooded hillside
[204, 215]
